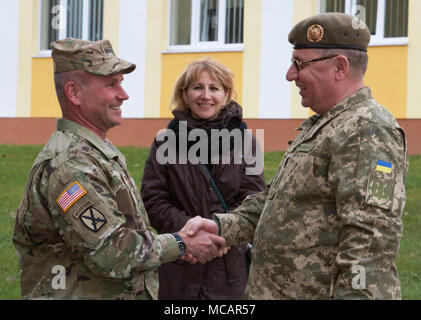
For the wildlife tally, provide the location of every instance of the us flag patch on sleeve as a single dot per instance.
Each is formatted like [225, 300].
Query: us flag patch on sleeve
[69, 196]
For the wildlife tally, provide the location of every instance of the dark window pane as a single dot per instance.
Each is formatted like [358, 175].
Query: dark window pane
[50, 22]
[96, 17]
[234, 21]
[370, 7]
[396, 20]
[332, 5]
[74, 18]
[180, 23]
[208, 20]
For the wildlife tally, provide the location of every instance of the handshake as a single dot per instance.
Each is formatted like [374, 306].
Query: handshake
[202, 241]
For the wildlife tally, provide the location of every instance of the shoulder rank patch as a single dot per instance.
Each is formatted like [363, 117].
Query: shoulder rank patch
[93, 219]
[384, 166]
[69, 196]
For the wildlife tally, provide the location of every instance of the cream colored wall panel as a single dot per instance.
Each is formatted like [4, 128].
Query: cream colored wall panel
[111, 22]
[157, 14]
[302, 9]
[28, 46]
[414, 61]
[251, 58]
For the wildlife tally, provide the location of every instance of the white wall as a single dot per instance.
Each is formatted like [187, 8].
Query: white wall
[132, 46]
[9, 25]
[275, 91]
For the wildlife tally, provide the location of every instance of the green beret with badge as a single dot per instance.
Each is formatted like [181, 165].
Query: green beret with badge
[96, 57]
[330, 31]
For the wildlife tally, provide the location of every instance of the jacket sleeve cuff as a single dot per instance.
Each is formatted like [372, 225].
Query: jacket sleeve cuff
[170, 248]
[218, 223]
[234, 228]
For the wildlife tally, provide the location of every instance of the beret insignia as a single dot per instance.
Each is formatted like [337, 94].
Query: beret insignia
[315, 33]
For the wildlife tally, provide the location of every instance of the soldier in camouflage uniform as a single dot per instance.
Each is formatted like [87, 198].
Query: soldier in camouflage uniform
[81, 213]
[328, 225]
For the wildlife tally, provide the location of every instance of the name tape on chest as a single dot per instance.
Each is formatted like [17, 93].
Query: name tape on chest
[69, 196]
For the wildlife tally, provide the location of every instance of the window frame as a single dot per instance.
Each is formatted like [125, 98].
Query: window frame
[63, 31]
[377, 39]
[203, 46]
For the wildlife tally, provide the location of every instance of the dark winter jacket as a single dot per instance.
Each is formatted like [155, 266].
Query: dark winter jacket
[174, 193]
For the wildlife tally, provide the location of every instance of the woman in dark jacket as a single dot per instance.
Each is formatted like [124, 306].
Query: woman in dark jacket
[176, 185]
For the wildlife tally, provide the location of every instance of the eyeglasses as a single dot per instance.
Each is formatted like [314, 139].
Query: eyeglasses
[298, 64]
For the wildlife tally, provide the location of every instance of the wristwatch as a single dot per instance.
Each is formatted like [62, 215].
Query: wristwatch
[181, 245]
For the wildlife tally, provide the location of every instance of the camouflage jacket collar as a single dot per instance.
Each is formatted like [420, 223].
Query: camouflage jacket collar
[312, 125]
[308, 123]
[105, 147]
[361, 95]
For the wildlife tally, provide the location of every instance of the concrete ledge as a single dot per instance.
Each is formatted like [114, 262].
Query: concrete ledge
[141, 132]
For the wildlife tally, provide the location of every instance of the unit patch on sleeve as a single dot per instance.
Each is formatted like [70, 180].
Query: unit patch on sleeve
[384, 166]
[69, 196]
[381, 185]
[93, 219]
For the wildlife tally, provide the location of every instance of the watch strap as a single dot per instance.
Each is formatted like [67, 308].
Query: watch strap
[181, 245]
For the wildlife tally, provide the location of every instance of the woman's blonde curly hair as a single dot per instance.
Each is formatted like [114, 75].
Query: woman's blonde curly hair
[192, 72]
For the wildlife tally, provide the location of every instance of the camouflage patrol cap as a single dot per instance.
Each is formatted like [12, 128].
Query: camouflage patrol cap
[330, 31]
[96, 57]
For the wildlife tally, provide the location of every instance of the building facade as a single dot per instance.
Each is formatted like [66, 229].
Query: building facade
[162, 36]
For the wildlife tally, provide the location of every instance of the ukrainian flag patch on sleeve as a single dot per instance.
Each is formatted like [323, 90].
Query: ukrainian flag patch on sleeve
[69, 196]
[384, 166]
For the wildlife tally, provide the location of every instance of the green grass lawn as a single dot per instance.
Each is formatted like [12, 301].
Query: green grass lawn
[16, 161]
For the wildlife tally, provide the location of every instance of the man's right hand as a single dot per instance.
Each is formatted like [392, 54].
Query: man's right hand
[202, 241]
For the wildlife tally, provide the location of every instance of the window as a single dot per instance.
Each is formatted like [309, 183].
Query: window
[206, 24]
[387, 19]
[70, 18]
